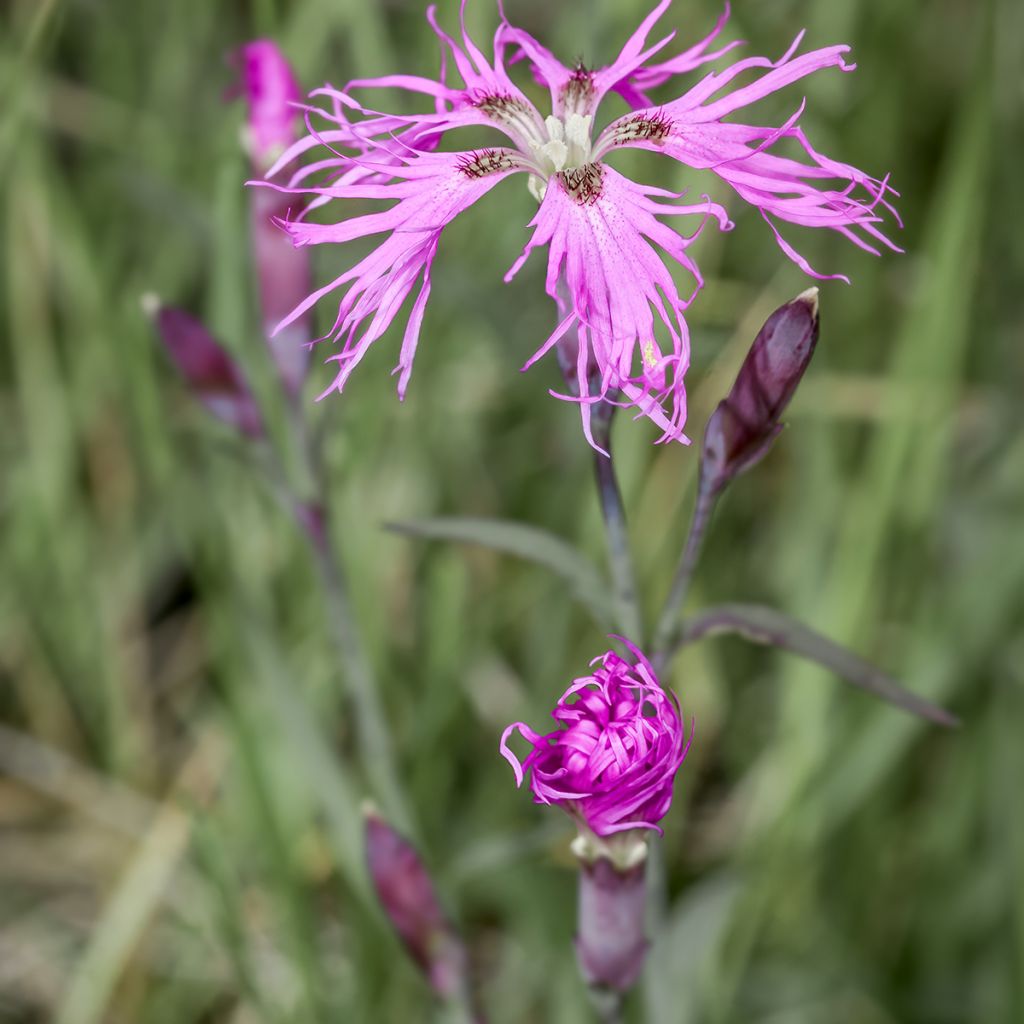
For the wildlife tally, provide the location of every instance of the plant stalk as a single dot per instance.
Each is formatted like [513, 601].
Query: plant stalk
[614, 514]
[707, 499]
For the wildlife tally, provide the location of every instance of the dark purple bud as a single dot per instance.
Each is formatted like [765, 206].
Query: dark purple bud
[211, 374]
[744, 426]
[610, 944]
[407, 894]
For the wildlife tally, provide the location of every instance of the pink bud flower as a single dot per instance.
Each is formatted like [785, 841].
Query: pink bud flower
[746, 423]
[270, 89]
[612, 761]
[406, 892]
[212, 375]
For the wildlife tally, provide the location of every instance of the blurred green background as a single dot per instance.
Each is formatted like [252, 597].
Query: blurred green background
[179, 786]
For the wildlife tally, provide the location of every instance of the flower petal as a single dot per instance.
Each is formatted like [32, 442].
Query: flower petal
[430, 190]
[598, 227]
[690, 130]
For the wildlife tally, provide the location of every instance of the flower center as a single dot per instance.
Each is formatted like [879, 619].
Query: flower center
[567, 148]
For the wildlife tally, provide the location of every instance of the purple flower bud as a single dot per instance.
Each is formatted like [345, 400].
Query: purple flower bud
[744, 426]
[270, 88]
[210, 372]
[612, 762]
[406, 892]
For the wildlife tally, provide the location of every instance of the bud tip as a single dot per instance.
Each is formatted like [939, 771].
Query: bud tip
[811, 298]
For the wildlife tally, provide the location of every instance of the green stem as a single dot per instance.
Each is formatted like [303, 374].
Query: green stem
[614, 514]
[377, 750]
[608, 1005]
[374, 738]
[707, 499]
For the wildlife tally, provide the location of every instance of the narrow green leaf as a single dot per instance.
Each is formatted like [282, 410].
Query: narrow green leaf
[526, 542]
[764, 625]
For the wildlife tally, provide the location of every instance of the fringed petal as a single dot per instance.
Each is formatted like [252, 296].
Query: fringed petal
[598, 227]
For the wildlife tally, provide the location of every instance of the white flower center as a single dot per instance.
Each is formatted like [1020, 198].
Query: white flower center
[567, 148]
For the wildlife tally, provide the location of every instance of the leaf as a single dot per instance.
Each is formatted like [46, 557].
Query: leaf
[685, 949]
[526, 542]
[764, 625]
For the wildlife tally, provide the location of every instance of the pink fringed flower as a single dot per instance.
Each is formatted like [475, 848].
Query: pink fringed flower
[609, 246]
[613, 759]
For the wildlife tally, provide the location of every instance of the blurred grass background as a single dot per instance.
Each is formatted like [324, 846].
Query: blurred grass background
[179, 833]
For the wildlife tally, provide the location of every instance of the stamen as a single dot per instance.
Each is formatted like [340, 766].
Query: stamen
[577, 129]
[556, 130]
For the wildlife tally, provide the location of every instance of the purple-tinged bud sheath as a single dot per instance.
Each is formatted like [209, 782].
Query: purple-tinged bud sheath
[211, 374]
[612, 761]
[270, 89]
[409, 899]
[746, 423]
[611, 940]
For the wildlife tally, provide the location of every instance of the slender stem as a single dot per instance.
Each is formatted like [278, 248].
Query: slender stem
[702, 511]
[374, 739]
[607, 1005]
[614, 514]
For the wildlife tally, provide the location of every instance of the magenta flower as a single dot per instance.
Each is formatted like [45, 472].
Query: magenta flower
[613, 759]
[609, 248]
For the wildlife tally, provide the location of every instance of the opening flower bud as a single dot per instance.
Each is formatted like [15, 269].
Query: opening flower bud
[612, 761]
[746, 423]
[270, 89]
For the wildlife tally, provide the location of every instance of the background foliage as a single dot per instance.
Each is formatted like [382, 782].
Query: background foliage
[178, 792]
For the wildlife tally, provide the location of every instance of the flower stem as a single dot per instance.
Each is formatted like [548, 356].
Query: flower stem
[707, 498]
[614, 514]
[374, 739]
[607, 1005]
[611, 941]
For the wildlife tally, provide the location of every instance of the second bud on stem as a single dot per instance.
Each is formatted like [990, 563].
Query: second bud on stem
[747, 420]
